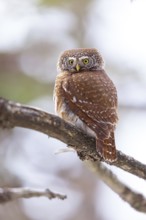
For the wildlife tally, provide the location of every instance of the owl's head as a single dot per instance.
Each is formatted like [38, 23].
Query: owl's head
[81, 59]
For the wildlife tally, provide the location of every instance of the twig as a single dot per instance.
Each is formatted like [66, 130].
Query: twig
[10, 194]
[13, 114]
[136, 200]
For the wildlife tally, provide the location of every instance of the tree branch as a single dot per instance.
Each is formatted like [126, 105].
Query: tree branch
[136, 200]
[16, 115]
[10, 194]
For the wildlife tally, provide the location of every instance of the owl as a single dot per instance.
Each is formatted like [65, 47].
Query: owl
[86, 97]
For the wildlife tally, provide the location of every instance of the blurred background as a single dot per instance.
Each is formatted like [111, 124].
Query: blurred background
[32, 35]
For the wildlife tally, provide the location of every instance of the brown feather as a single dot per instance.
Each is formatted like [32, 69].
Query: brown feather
[95, 102]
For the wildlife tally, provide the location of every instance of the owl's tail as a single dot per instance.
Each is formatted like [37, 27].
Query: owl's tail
[106, 148]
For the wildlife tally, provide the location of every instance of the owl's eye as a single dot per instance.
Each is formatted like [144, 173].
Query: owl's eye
[86, 61]
[71, 61]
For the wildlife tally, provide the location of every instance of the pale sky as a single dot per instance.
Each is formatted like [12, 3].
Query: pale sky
[122, 33]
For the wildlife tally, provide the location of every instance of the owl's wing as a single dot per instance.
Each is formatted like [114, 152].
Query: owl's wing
[93, 98]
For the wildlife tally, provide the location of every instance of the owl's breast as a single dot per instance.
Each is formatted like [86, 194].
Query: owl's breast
[62, 106]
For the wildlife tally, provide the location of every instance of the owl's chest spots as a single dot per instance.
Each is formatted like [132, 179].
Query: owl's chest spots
[72, 90]
[63, 109]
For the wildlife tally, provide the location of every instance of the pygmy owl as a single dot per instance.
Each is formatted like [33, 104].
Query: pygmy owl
[86, 97]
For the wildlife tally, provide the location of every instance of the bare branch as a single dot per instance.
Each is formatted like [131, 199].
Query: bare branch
[14, 114]
[10, 194]
[136, 200]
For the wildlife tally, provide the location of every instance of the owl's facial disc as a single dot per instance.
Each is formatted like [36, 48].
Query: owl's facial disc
[80, 60]
[77, 64]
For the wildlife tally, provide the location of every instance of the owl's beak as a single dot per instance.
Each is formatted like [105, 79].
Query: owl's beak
[78, 67]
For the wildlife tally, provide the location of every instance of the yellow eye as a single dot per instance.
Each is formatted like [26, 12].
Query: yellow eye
[86, 61]
[71, 61]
